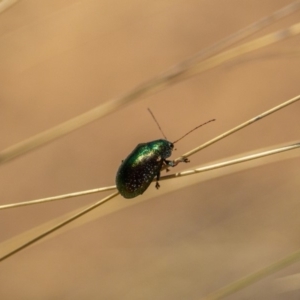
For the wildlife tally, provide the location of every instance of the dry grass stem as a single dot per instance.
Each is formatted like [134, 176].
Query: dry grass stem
[200, 62]
[176, 175]
[218, 138]
[5, 4]
[60, 197]
[233, 161]
[243, 33]
[167, 177]
[178, 73]
[185, 173]
[58, 226]
[254, 277]
[239, 127]
[240, 50]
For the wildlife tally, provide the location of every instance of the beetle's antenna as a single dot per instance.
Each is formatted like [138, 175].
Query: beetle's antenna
[156, 122]
[193, 130]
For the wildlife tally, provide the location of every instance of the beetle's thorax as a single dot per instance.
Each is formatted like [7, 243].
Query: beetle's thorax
[162, 147]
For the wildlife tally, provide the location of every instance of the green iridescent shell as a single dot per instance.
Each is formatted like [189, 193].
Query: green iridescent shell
[141, 166]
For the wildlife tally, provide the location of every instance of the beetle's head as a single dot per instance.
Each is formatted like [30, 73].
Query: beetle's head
[167, 149]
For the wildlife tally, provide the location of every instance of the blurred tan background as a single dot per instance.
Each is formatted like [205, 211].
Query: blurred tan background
[59, 59]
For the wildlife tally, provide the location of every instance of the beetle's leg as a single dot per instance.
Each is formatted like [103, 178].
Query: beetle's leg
[166, 163]
[184, 159]
[170, 163]
[173, 163]
[157, 185]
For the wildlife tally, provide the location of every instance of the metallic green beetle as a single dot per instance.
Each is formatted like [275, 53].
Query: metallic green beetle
[142, 165]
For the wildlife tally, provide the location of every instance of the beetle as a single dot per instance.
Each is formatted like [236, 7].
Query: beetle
[145, 163]
[142, 165]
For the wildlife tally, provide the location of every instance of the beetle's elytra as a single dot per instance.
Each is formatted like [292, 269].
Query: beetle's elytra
[142, 165]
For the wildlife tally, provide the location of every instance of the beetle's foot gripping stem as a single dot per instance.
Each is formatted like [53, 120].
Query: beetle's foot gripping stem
[157, 185]
[168, 163]
[184, 159]
[173, 163]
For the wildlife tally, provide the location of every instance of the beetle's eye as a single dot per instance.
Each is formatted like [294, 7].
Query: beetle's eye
[171, 145]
